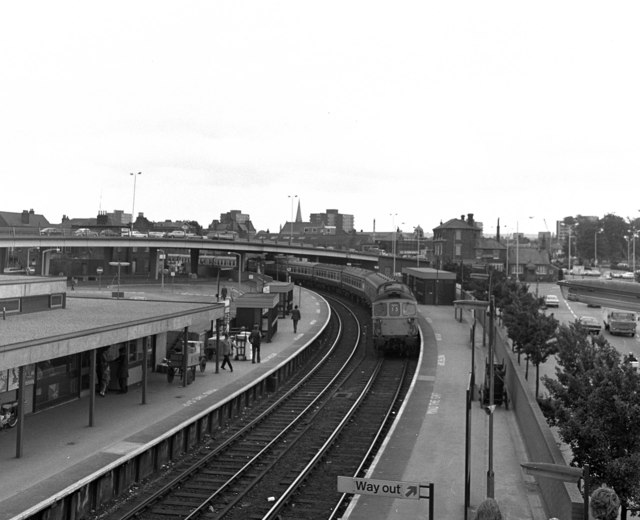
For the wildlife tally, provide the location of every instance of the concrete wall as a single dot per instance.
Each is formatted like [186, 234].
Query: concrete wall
[562, 500]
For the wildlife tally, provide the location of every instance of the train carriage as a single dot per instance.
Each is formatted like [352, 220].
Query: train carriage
[393, 306]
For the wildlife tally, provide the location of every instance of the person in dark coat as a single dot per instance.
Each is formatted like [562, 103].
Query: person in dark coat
[255, 338]
[295, 316]
[225, 343]
[123, 371]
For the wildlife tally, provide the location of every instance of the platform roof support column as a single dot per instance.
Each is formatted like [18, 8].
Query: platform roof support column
[19, 436]
[185, 355]
[145, 368]
[92, 387]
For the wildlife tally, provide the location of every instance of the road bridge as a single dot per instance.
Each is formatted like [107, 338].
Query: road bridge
[122, 248]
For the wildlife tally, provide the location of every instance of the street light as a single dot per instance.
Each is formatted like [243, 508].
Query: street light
[393, 242]
[492, 406]
[133, 205]
[291, 222]
[481, 305]
[569, 253]
[633, 237]
[595, 246]
[161, 257]
[418, 245]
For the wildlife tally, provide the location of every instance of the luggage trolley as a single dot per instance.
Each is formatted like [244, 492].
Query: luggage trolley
[499, 387]
[195, 358]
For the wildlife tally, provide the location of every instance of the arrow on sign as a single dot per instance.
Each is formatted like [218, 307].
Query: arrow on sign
[413, 490]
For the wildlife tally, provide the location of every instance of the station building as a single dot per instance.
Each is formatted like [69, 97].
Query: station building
[49, 337]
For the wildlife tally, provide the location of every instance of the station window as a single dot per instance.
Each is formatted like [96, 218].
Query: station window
[55, 301]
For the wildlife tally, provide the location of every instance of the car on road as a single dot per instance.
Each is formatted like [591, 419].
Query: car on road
[84, 232]
[109, 233]
[628, 275]
[51, 231]
[551, 300]
[177, 233]
[571, 296]
[137, 234]
[591, 324]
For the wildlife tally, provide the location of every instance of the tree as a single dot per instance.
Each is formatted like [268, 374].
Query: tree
[197, 228]
[531, 331]
[595, 404]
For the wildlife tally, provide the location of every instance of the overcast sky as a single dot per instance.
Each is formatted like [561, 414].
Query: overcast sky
[405, 113]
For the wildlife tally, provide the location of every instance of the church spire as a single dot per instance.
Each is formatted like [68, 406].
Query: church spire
[299, 213]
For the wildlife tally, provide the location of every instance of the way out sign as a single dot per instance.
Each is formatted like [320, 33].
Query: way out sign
[380, 488]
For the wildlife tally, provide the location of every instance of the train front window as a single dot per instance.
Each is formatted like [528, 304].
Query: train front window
[409, 309]
[380, 309]
[394, 309]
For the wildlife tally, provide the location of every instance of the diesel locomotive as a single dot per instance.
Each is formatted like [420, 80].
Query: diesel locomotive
[394, 310]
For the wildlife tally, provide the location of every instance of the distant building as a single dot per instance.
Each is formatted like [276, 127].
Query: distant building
[332, 218]
[23, 222]
[456, 241]
[233, 223]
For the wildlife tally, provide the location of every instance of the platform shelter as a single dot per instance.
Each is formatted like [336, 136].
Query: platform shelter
[261, 308]
[430, 286]
[284, 290]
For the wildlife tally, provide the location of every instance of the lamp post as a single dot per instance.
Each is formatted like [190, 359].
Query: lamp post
[393, 242]
[418, 245]
[133, 205]
[517, 251]
[569, 253]
[480, 306]
[492, 406]
[161, 257]
[595, 246]
[633, 237]
[291, 222]
[99, 271]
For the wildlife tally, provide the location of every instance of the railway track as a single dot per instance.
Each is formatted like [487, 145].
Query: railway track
[283, 460]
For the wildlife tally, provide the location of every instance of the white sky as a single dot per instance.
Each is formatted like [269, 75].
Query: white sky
[424, 110]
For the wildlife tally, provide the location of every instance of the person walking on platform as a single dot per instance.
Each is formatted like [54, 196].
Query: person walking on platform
[123, 371]
[226, 352]
[105, 373]
[295, 316]
[255, 339]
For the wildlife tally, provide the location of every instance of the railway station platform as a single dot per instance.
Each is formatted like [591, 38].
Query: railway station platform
[428, 443]
[60, 448]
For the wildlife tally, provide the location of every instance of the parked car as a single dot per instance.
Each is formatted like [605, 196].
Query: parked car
[109, 233]
[551, 300]
[137, 234]
[628, 275]
[51, 231]
[591, 324]
[84, 232]
[177, 233]
[157, 234]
